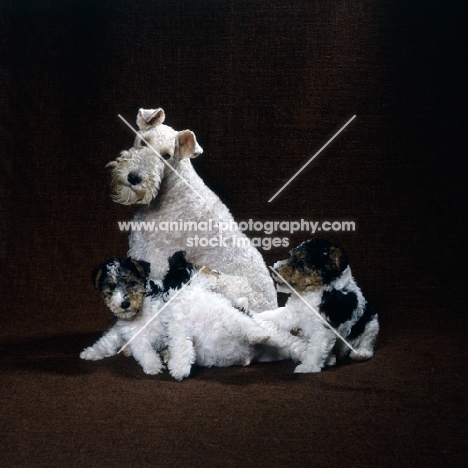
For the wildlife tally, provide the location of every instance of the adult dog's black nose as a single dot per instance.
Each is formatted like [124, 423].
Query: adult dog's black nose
[125, 305]
[133, 178]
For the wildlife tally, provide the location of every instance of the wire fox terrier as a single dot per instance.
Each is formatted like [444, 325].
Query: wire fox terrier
[320, 274]
[185, 316]
[157, 172]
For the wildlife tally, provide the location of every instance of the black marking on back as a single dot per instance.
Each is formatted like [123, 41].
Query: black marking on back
[179, 273]
[338, 306]
[152, 289]
[358, 328]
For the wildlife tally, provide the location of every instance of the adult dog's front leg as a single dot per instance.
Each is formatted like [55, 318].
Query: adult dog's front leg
[106, 346]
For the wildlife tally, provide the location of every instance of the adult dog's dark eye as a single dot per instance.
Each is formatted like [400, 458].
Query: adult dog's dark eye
[166, 156]
[143, 143]
[325, 253]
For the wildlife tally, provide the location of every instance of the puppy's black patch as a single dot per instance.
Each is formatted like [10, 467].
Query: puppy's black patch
[358, 328]
[179, 272]
[338, 306]
[139, 268]
[321, 256]
[152, 289]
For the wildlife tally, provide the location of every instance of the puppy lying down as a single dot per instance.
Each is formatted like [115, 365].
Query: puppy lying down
[183, 315]
[320, 273]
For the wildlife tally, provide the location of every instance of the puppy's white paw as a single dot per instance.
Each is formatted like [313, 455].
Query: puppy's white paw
[247, 361]
[331, 361]
[361, 355]
[305, 369]
[153, 368]
[91, 354]
[178, 369]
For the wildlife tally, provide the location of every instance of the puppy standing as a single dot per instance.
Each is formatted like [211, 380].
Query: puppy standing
[320, 273]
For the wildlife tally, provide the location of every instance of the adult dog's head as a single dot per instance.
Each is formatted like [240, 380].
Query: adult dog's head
[158, 149]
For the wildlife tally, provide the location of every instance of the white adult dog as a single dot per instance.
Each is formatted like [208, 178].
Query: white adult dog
[189, 323]
[157, 173]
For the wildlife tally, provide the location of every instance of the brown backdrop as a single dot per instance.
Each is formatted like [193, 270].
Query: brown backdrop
[263, 84]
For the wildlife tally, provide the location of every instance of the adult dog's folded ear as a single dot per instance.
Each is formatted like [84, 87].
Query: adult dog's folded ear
[149, 117]
[187, 144]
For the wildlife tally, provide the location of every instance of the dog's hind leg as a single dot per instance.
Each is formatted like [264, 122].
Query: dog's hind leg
[364, 344]
[246, 326]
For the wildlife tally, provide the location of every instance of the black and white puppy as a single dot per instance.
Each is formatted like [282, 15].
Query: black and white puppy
[191, 323]
[320, 274]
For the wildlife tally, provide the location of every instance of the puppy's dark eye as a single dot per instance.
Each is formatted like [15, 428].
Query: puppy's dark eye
[166, 156]
[111, 287]
[143, 143]
[324, 254]
[299, 263]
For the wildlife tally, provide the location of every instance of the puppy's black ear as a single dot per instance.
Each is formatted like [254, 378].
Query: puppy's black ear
[142, 267]
[96, 275]
[152, 289]
[340, 258]
[179, 271]
[178, 260]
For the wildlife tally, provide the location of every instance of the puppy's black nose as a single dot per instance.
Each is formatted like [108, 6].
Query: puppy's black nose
[125, 305]
[133, 178]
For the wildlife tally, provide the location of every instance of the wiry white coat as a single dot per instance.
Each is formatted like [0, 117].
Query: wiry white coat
[196, 325]
[183, 197]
